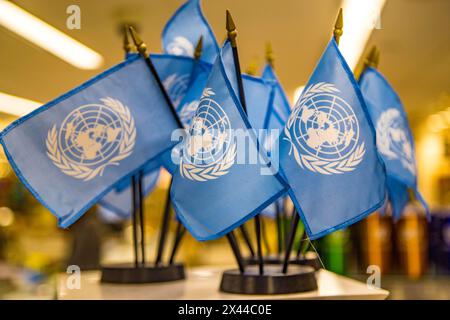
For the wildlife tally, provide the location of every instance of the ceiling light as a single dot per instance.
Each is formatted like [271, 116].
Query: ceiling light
[17, 106]
[47, 37]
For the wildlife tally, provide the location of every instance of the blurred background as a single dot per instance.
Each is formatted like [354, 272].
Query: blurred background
[414, 256]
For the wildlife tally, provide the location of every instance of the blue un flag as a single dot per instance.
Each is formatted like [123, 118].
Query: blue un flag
[184, 29]
[280, 109]
[184, 79]
[212, 191]
[394, 139]
[258, 98]
[328, 152]
[188, 105]
[275, 118]
[72, 151]
[176, 74]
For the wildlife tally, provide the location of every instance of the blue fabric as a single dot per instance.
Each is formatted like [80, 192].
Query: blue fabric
[183, 31]
[394, 138]
[214, 195]
[186, 109]
[328, 152]
[120, 203]
[398, 196]
[72, 151]
[175, 73]
[280, 108]
[258, 98]
[276, 115]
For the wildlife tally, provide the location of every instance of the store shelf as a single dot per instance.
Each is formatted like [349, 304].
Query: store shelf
[203, 284]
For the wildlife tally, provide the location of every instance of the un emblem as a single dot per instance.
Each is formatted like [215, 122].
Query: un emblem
[91, 138]
[324, 132]
[210, 150]
[393, 139]
[176, 86]
[180, 46]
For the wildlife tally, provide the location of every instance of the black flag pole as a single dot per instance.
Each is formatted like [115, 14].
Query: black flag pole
[337, 33]
[140, 272]
[165, 222]
[140, 202]
[232, 34]
[180, 232]
[134, 218]
[287, 253]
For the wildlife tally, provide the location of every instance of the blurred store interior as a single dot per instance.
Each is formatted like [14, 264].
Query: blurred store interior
[413, 37]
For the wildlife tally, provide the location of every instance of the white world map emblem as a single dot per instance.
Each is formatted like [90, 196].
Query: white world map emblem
[210, 150]
[91, 138]
[176, 86]
[180, 46]
[393, 139]
[324, 132]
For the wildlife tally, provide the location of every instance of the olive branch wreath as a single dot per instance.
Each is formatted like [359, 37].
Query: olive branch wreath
[87, 173]
[201, 174]
[313, 163]
[192, 172]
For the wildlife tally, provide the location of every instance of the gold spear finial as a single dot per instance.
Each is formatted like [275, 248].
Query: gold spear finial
[252, 67]
[198, 48]
[377, 58]
[338, 27]
[126, 42]
[372, 58]
[231, 29]
[269, 54]
[140, 45]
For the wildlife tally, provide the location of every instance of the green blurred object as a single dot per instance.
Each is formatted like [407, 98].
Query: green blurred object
[334, 250]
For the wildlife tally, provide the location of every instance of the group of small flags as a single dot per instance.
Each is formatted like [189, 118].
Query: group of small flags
[339, 153]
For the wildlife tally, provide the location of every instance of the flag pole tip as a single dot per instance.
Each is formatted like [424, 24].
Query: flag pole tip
[198, 48]
[126, 42]
[338, 26]
[231, 30]
[269, 54]
[372, 58]
[141, 46]
[230, 23]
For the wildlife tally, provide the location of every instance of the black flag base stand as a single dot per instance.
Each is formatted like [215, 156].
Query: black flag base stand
[268, 259]
[142, 274]
[309, 259]
[273, 281]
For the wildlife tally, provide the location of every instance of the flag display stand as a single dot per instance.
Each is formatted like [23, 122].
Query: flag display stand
[273, 281]
[268, 259]
[310, 259]
[128, 273]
